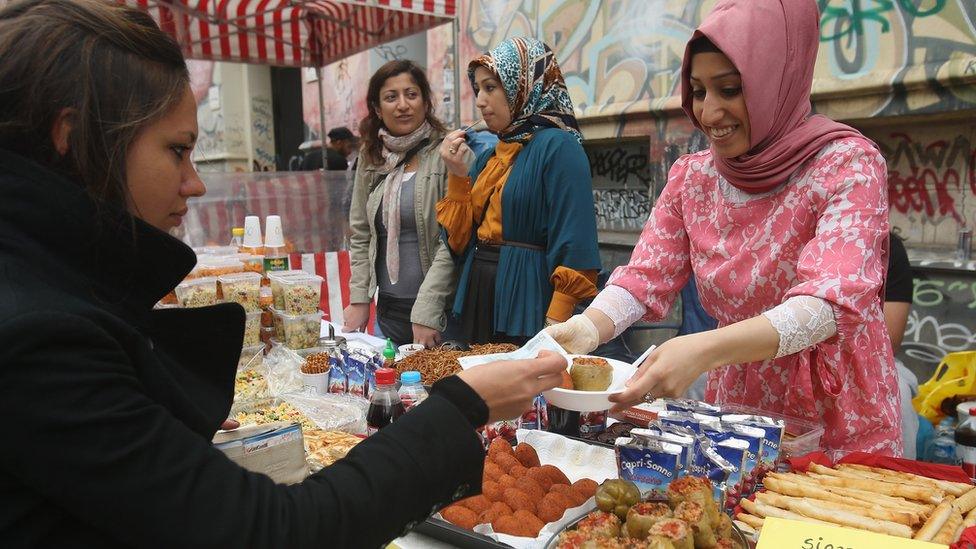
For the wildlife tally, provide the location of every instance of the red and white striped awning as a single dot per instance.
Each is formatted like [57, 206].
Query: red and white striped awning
[291, 32]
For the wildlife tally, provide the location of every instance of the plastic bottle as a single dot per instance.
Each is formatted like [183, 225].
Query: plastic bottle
[965, 437]
[389, 354]
[384, 403]
[411, 391]
[943, 447]
[275, 255]
[237, 237]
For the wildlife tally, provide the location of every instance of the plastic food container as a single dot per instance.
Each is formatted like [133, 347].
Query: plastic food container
[243, 288]
[276, 289]
[220, 250]
[217, 266]
[252, 329]
[252, 263]
[251, 357]
[300, 331]
[800, 437]
[197, 292]
[300, 293]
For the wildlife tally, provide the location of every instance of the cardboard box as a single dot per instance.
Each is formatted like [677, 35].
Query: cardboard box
[275, 449]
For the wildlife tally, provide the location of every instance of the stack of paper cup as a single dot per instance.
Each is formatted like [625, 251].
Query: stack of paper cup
[252, 232]
[274, 237]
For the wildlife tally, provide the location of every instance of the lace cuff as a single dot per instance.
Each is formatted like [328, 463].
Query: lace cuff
[802, 321]
[621, 306]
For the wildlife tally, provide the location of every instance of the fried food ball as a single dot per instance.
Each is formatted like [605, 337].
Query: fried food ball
[553, 506]
[507, 524]
[530, 487]
[506, 461]
[499, 446]
[572, 493]
[492, 490]
[526, 455]
[460, 516]
[541, 476]
[492, 471]
[517, 499]
[506, 481]
[497, 509]
[530, 523]
[557, 476]
[586, 486]
[518, 471]
[479, 504]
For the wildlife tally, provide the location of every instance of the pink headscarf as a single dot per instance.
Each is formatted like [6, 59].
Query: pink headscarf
[775, 53]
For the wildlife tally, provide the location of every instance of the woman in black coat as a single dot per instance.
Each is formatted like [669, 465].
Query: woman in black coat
[110, 406]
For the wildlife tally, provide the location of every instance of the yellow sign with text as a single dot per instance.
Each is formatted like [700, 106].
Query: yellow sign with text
[780, 533]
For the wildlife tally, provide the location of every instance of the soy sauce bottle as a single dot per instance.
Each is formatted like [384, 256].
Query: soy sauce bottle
[384, 403]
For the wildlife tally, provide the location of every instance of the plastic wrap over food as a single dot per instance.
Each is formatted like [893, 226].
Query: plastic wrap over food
[331, 412]
[282, 369]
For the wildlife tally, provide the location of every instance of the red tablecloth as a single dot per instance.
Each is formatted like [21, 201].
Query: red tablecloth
[932, 470]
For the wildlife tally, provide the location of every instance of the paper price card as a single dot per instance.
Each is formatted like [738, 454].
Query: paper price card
[780, 533]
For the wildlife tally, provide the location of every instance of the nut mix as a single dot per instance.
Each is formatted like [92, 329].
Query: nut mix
[300, 295]
[319, 363]
[243, 288]
[252, 329]
[200, 292]
[301, 331]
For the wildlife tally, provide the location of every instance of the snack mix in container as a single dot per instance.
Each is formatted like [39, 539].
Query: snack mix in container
[252, 263]
[197, 292]
[252, 329]
[300, 294]
[243, 288]
[218, 265]
[301, 331]
[277, 294]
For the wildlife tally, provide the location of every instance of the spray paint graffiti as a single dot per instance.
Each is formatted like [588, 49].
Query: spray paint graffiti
[941, 320]
[931, 182]
[620, 164]
[848, 18]
[621, 209]
[391, 53]
[262, 134]
[617, 56]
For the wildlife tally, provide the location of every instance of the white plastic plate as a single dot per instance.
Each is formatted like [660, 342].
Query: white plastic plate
[591, 401]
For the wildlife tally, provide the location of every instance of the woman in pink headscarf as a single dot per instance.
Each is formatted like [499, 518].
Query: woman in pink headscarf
[783, 222]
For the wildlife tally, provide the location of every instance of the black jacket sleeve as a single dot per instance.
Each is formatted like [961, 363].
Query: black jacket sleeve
[898, 285]
[86, 437]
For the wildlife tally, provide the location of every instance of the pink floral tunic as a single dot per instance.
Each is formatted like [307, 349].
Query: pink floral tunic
[824, 233]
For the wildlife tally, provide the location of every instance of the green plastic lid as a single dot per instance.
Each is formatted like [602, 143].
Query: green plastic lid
[390, 351]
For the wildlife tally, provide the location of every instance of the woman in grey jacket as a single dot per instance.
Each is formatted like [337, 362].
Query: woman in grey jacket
[395, 245]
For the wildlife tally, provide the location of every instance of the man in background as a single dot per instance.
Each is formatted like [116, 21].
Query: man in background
[342, 143]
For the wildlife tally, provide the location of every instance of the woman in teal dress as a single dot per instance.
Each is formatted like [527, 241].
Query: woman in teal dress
[525, 231]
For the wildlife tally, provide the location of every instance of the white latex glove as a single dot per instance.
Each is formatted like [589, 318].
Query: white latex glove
[578, 335]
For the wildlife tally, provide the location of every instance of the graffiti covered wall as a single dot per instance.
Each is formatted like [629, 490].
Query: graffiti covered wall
[931, 179]
[878, 59]
[895, 56]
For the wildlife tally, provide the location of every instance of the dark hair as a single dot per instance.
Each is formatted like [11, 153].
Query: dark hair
[109, 64]
[703, 45]
[370, 126]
